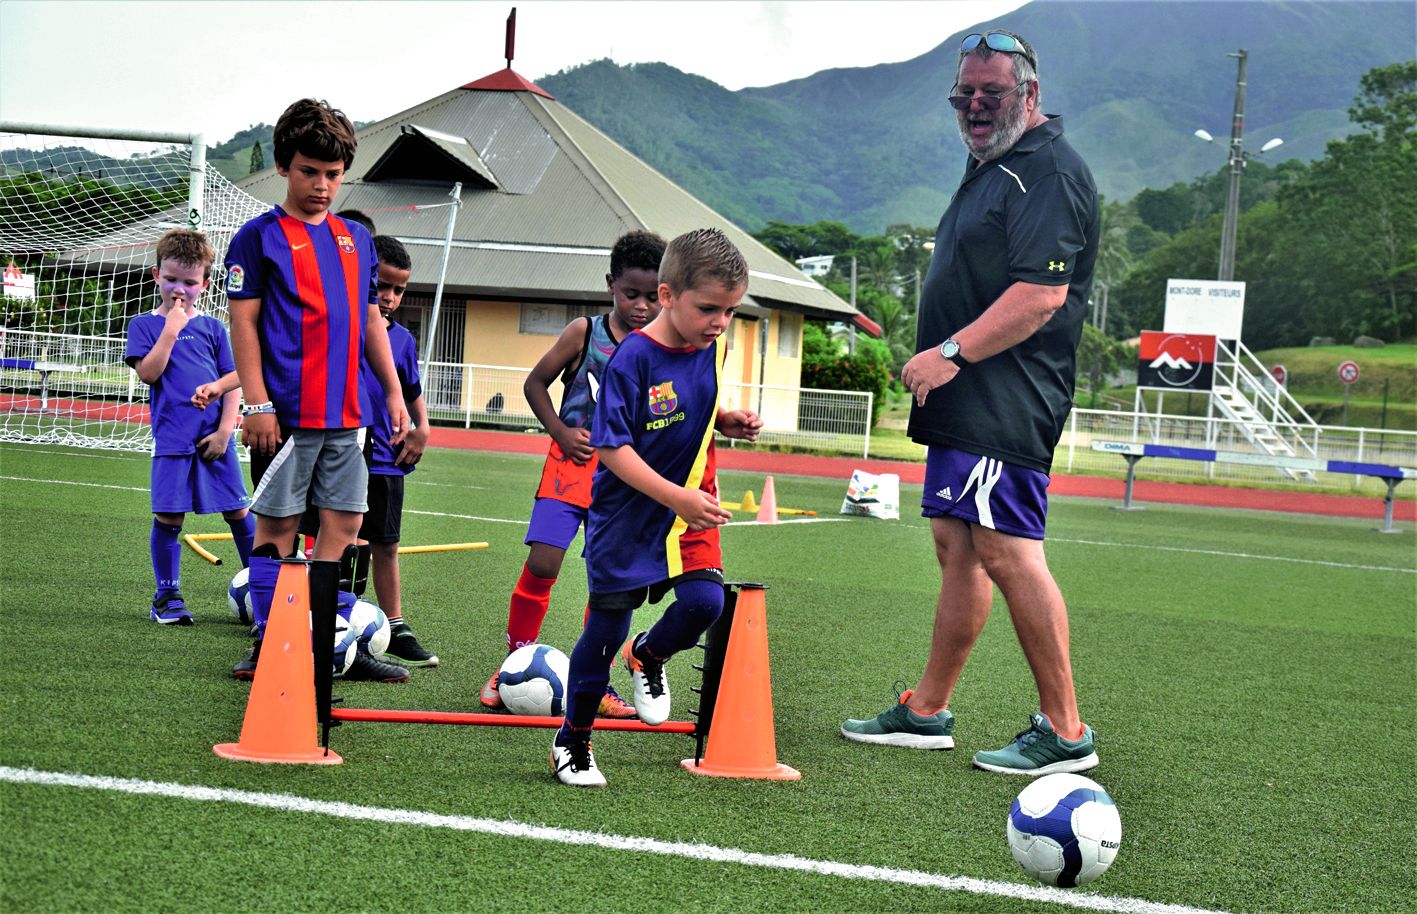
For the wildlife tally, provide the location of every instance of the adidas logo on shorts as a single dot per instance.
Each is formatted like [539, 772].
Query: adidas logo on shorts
[944, 493]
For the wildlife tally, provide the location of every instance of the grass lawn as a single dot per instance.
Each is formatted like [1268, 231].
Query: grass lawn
[1250, 678]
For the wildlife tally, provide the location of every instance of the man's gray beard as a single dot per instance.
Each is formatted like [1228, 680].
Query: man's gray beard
[1007, 131]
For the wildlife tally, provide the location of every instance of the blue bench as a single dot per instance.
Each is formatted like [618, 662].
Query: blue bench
[1133, 452]
[44, 368]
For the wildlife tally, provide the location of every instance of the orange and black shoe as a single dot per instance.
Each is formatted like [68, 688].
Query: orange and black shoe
[615, 707]
[490, 697]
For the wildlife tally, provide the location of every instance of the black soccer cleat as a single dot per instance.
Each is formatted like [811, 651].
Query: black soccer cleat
[246, 669]
[404, 647]
[367, 669]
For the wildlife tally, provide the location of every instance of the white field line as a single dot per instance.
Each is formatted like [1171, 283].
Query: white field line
[89, 455]
[70, 482]
[792, 520]
[513, 829]
[490, 520]
[1240, 555]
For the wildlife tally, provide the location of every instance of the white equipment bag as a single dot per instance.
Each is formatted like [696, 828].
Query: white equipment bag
[871, 495]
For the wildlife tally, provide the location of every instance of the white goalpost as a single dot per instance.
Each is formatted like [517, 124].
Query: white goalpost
[81, 211]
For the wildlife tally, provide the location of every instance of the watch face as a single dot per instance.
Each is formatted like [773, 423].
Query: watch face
[949, 349]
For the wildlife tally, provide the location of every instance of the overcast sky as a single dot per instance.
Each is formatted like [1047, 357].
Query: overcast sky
[218, 67]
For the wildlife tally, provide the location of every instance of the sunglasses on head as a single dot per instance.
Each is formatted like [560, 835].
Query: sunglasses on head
[999, 41]
[987, 102]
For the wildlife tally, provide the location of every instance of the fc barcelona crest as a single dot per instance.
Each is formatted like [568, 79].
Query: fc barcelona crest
[662, 400]
[346, 243]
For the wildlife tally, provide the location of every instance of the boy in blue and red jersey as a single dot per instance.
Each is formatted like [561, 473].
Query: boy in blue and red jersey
[578, 357]
[175, 350]
[654, 511]
[388, 462]
[301, 282]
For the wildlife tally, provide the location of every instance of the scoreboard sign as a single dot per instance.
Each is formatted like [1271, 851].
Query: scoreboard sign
[1176, 361]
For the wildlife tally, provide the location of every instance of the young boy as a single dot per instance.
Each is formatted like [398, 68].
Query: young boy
[654, 511]
[176, 349]
[578, 357]
[389, 463]
[303, 311]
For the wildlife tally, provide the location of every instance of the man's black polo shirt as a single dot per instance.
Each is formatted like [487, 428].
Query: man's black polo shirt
[1030, 216]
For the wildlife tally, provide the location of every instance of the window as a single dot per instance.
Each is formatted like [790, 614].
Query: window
[550, 320]
[789, 335]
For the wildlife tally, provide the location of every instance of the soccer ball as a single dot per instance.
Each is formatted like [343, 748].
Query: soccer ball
[371, 626]
[533, 680]
[238, 597]
[1064, 830]
[346, 643]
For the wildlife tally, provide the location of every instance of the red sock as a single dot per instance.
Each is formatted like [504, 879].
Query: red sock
[530, 600]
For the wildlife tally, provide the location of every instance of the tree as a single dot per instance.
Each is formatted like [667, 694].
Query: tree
[258, 158]
[1099, 358]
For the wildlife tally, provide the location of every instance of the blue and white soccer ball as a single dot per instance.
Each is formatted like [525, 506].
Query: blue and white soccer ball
[238, 597]
[1064, 830]
[346, 644]
[371, 627]
[533, 680]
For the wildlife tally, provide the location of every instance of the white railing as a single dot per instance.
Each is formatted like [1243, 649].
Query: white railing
[1325, 442]
[820, 420]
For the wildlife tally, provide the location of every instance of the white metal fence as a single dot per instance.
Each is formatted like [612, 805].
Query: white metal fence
[1075, 454]
[819, 420]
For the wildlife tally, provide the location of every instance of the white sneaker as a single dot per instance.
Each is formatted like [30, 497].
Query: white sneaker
[575, 765]
[651, 686]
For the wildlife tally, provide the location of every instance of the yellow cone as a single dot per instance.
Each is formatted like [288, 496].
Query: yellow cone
[749, 503]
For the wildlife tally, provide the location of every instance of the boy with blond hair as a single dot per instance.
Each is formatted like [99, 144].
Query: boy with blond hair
[176, 349]
[654, 511]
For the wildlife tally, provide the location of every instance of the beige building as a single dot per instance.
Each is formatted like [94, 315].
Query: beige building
[544, 196]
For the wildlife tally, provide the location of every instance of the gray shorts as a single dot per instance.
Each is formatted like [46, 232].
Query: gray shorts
[324, 464]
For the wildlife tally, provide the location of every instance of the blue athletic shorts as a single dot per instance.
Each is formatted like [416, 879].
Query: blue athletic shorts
[985, 491]
[188, 483]
[554, 522]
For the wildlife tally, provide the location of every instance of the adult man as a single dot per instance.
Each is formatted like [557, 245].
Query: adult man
[1000, 318]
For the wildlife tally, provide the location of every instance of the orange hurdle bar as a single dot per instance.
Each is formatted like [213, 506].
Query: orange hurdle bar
[498, 720]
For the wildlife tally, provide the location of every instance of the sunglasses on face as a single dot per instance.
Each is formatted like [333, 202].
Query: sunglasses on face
[999, 41]
[986, 101]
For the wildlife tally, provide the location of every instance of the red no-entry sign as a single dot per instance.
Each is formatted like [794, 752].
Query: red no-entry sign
[1348, 372]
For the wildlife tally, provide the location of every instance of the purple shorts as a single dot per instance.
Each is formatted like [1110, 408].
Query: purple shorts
[188, 483]
[985, 491]
[554, 522]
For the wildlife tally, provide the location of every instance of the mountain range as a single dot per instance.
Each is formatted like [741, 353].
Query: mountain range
[876, 146]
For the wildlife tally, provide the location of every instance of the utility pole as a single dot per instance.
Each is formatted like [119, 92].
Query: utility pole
[1237, 167]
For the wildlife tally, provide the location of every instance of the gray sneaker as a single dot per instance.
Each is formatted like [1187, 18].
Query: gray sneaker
[1039, 750]
[900, 726]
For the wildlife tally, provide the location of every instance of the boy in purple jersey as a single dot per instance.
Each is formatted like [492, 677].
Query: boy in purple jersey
[175, 350]
[578, 357]
[654, 511]
[388, 462]
[301, 281]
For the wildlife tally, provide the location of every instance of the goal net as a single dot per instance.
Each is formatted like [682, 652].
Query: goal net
[80, 217]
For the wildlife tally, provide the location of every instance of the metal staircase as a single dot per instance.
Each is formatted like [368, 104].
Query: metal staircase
[1259, 408]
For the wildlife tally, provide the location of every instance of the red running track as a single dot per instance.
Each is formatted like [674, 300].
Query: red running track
[1175, 493]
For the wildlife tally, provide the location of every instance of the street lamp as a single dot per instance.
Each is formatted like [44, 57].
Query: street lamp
[1238, 158]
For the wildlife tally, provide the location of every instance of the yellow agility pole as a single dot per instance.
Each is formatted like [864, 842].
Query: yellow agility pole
[191, 540]
[445, 547]
[199, 537]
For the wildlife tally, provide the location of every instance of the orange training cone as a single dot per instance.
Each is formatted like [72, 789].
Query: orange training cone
[749, 503]
[741, 742]
[767, 514]
[280, 723]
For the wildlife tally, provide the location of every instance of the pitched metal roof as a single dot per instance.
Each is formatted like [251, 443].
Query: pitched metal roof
[564, 192]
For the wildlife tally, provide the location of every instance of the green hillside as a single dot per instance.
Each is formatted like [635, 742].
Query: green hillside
[876, 146]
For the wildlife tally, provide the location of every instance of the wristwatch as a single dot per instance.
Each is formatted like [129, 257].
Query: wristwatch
[949, 349]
